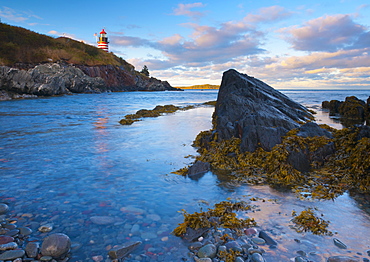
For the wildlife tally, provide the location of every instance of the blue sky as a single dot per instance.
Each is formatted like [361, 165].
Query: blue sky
[288, 44]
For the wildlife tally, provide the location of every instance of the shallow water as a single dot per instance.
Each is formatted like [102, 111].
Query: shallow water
[66, 159]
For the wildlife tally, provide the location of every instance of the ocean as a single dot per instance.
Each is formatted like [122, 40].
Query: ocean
[65, 160]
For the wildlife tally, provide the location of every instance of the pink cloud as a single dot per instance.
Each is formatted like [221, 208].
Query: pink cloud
[268, 14]
[185, 9]
[328, 33]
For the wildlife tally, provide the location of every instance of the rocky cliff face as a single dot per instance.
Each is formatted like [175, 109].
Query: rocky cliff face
[60, 78]
[249, 109]
[120, 79]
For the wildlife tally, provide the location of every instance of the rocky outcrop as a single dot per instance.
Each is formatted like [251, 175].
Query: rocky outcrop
[62, 78]
[352, 110]
[253, 111]
[122, 79]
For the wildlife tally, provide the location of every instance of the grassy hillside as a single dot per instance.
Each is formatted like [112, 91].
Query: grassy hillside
[19, 45]
[206, 86]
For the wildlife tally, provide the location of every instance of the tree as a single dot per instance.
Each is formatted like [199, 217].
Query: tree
[145, 71]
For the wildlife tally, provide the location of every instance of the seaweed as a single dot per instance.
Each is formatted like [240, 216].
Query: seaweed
[222, 215]
[307, 221]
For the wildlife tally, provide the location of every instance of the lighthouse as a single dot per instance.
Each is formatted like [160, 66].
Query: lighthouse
[103, 41]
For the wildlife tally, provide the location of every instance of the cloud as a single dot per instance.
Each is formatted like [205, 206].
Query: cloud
[12, 15]
[328, 34]
[268, 15]
[129, 41]
[185, 9]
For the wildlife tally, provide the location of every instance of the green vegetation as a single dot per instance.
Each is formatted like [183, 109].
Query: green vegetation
[145, 71]
[206, 86]
[22, 46]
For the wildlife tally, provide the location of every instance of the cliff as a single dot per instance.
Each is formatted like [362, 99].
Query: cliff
[33, 64]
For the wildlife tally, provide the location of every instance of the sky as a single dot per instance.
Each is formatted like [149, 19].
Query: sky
[288, 44]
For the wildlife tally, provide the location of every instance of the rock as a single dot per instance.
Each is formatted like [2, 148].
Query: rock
[300, 259]
[209, 250]
[195, 246]
[352, 110]
[123, 250]
[4, 208]
[203, 259]
[256, 257]
[8, 246]
[6, 239]
[258, 240]
[55, 245]
[12, 254]
[46, 258]
[267, 238]
[233, 245]
[333, 106]
[239, 259]
[339, 243]
[62, 78]
[302, 160]
[193, 234]
[25, 231]
[342, 259]
[198, 169]
[32, 249]
[250, 231]
[251, 110]
[153, 217]
[12, 232]
[102, 220]
[46, 228]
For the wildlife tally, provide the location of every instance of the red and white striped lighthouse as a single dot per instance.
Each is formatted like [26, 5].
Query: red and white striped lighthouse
[103, 41]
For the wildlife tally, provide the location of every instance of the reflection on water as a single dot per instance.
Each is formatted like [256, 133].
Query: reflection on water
[66, 159]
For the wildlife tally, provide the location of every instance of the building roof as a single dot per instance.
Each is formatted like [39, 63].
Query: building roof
[102, 32]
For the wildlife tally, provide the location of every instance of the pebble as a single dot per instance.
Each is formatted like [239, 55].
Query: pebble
[46, 258]
[256, 257]
[102, 220]
[4, 208]
[258, 240]
[6, 239]
[153, 217]
[25, 231]
[233, 245]
[339, 243]
[8, 246]
[12, 254]
[12, 233]
[342, 259]
[32, 249]
[239, 259]
[204, 259]
[250, 231]
[97, 258]
[195, 246]
[300, 259]
[55, 245]
[209, 250]
[267, 238]
[164, 239]
[123, 250]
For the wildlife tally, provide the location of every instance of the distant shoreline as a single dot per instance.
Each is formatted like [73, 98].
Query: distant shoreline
[206, 86]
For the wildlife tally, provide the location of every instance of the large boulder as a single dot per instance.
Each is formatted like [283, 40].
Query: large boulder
[249, 109]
